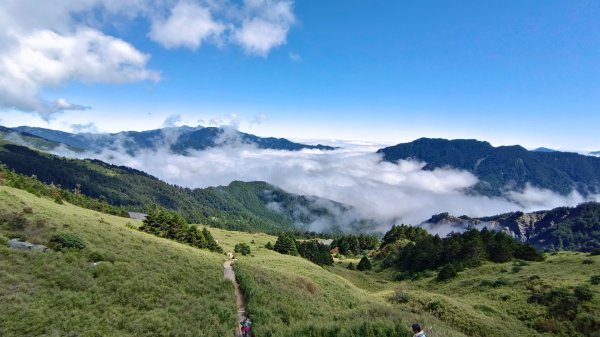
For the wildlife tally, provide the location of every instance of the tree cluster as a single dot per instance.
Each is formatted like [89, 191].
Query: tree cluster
[315, 252]
[170, 225]
[311, 250]
[354, 244]
[468, 249]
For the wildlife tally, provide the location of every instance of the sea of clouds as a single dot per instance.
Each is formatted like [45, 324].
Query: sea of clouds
[353, 174]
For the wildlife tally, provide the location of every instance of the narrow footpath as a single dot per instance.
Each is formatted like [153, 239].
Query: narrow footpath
[239, 299]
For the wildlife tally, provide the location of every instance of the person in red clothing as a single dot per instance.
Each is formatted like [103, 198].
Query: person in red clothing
[246, 324]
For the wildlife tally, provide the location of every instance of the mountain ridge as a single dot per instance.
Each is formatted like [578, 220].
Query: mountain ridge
[178, 139]
[503, 167]
[561, 228]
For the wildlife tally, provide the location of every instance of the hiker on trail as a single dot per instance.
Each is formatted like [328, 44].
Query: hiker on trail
[418, 332]
[246, 327]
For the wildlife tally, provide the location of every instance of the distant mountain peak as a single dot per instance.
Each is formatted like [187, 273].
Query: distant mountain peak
[178, 139]
[544, 149]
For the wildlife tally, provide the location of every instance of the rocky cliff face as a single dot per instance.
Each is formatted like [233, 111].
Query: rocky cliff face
[576, 228]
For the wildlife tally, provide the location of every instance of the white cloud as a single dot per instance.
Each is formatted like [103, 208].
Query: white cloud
[258, 119]
[62, 104]
[265, 25]
[188, 25]
[84, 128]
[45, 58]
[172, 121]
[295, 57]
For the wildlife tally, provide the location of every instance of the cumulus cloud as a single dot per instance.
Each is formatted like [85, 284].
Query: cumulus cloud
[386, 192]
[265, 25]
[45, 58]
[188, 25]
[44, 44]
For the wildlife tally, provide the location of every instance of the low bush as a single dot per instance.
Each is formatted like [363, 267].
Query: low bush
[588, 261]
[548, 325]
[100, 256]
[595, 279]
[583, 294]
[64, 241]
[400, 296]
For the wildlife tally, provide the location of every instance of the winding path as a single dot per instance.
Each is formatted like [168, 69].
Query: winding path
[229, 274]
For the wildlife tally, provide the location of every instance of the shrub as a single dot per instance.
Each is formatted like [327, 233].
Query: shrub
[447, 272]
[595, 279]
[269, 246]
[63, 241]
[242, 248]
[516, 269]
[364, 264]
[351, 266]
[588, 324]
[583, 294]
[595, 252]
[547, 325]
[14, 221]
[27, 210]
[98, 256]
[400, 296]
[588, 261]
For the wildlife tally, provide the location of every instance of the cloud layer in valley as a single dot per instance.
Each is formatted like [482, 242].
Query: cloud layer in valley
[354, 175]
[44, 44]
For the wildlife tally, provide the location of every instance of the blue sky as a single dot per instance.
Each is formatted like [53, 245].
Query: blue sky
[509, 72]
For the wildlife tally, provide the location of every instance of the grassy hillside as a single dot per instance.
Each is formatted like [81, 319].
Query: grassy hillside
[290, 296]
[144, 286]
[147, 286]
[494, 299]
[238, 206]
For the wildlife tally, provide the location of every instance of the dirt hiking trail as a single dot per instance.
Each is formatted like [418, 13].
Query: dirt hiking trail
[229, 274]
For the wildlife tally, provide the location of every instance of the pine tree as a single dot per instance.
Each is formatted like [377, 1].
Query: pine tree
[286, 245]
[211, 243]
[364, 264]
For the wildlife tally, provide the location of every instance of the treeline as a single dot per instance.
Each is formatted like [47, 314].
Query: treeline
[36, 187]
[170, 225]
[354, 244]
[413, 250]
[311, 250]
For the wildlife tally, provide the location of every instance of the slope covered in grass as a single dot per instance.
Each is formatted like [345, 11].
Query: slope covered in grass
[142, 286]
[497, 299]
[290, 296]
